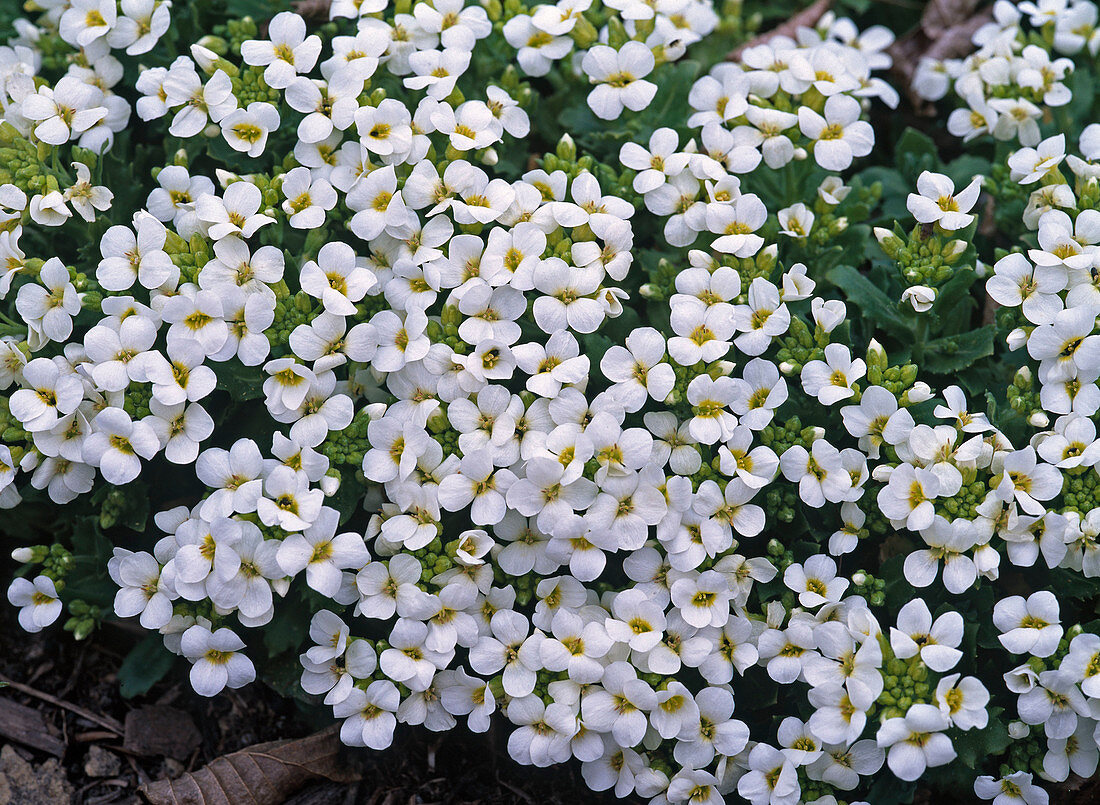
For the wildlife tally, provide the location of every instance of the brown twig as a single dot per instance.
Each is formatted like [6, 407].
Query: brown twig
[945, 32]
[807, 18]
[104, 721]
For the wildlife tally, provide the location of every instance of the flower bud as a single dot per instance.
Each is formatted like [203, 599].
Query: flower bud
[24, 555]
[888, 240]
[1039, 419]
[330, 483]
[876, 355]
[920, 392]
[1017, 338]
[1018, 730]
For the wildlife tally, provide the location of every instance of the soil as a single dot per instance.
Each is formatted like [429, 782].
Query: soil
[171, 730]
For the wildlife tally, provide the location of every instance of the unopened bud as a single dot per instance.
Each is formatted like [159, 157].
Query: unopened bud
[330, 483]
[888, 240]
[1017, 338]
[1039, 419]
[23, 555]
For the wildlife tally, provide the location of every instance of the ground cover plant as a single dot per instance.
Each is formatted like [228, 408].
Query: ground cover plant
[688, 415]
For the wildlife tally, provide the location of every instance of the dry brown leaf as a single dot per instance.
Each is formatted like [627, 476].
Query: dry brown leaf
[314, 11]
[263, 774]
[807, 18]
[939, 15]
[957, 40]
[945, 32]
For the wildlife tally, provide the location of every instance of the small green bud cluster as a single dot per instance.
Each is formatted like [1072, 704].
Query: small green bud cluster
[434, 558]
[783, 501]
[800, 346]
[871, 588]
[965, 502]
[781, 557]
[922, 258]
[1023, 396]
[84, 618]
[348, 446]
[445, 331]
[56, 561]
[781, 437]
[1081, 491]
[136, 400]
[447, 436]
[21, 162]
[188, 256]
[249, 87]
[290, 311]
[612, 182]
[12, 433]
[233, 34]
[905, 683]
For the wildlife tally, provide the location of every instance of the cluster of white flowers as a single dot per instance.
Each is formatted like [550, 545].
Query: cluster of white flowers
[1012, 78]
[510, 502]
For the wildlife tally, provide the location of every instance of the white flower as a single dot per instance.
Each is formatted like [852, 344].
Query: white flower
[37, 600]
[1013, 789]
[247, 129]
[70, 108]
[50, 309]
[963, 702]
[322, 553]
[143, 592]
[936, 201]
[838, 135]
[916, 741]
[288, 52]
[831, 380]
[947, 542]
[368, 715]
[235, 213]
[1029, 626]
[936, 642]
[216, 660]
[620, 78]
[816, 583]
[919, 297]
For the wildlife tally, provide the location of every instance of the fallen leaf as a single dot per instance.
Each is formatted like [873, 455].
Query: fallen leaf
[160, 730]
[313, 11]
[945, 31]
[939, 15]
[263, 774]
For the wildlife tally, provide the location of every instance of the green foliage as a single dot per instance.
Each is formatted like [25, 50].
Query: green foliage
[145, 665]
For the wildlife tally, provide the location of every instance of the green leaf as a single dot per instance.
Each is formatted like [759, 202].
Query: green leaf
[88, 577]
[348, 498]
[916, 143]
[954, 304]
[955, 352]
[974, 746]
[146, 664]
[965, 168]
[869, 298]
[239, 380]
[288, 627]
[895, 190]
[915, 152]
